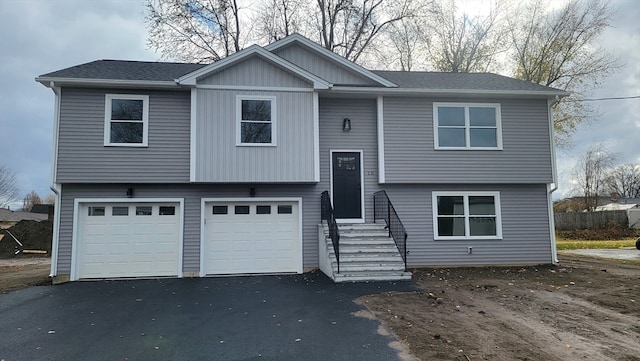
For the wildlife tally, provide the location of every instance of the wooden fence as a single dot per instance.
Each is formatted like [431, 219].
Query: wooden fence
[589, 220]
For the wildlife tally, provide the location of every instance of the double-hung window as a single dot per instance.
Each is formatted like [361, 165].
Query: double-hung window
[467, 126]
[466, 215]
[126, 120]
[256, 121]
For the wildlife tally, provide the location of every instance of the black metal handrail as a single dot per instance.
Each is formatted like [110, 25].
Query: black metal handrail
[334, 232]
[383, 209]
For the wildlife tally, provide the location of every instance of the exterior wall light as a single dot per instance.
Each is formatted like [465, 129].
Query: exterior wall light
[130, 192]
[346, 124]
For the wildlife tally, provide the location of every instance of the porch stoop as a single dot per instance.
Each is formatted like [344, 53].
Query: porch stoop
[367, 253]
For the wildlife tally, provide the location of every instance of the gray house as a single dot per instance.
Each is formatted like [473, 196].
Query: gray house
[183, 170]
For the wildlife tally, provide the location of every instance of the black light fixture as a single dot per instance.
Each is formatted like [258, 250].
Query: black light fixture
[252, 192]
[346, 124]
[130, 192]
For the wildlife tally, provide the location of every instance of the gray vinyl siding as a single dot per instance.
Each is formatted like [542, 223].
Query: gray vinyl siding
[525, 223]
[363, 136]
[321, 66]
[218, 159]
[83, 158]
[255, 72]
[525, 227]
[192, 195]
[410, 156]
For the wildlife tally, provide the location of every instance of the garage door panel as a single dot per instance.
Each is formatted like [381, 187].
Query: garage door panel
[122, 243]
[262, 241]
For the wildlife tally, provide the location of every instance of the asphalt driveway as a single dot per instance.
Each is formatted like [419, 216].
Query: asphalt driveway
[297, 317]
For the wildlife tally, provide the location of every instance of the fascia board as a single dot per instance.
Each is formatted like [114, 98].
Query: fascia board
[327, 53]
[106, 82]
[449, 92]
[191, 78]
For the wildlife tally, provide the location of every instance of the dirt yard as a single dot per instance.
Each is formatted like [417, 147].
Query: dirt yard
[583, 309]
[21, 273]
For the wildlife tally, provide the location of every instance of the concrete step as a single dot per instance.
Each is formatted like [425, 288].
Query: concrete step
[371, 276]
[368, 267]
[374, 256]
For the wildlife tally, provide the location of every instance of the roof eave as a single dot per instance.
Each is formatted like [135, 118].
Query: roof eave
[452, 92]
[61, 81]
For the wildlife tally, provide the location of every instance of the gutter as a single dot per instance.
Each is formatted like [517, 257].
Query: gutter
[449, 92]
[552, 187]
[55, 187]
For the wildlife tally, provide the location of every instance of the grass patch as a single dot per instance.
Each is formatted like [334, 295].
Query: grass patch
[566, 244]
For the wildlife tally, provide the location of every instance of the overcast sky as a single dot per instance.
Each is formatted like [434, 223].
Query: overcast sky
[40, 36]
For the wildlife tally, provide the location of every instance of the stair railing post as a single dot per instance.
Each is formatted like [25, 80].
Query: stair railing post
[389, 216]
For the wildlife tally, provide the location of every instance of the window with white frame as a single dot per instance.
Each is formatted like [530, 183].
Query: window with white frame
[126, 120]
[466, 215]
[255, 120]
[467, 126]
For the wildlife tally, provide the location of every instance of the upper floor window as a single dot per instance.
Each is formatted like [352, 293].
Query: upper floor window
[256, 120]
[126, 120]
[466, 215]
[467, 126]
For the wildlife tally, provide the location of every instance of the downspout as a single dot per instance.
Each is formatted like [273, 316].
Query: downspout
[55, 187]
[553, 186]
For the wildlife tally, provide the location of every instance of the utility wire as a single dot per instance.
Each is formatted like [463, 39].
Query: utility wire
[597, 99]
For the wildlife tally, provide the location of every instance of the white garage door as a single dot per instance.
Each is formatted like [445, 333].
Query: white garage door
[252, 237]
[128, 240]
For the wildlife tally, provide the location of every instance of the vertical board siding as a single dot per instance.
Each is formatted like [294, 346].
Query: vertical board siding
[410, 156]
[363, 136]
[255, 72]
[218, 159]
[321, 66]
[82, 156]
[525, 227]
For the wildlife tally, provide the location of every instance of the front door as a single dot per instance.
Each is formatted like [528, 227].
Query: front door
[347, 185]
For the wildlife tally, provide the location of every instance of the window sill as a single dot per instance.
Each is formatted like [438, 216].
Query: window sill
[456, 148]
[467, 238]
[256, 145]
[128, 145]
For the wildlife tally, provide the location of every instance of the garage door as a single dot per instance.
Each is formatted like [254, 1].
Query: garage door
[252, 237]
[128, 240]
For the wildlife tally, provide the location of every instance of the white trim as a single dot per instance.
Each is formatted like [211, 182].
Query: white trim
[254, 88]
[107, 119]
[193, 135]
[273, 122]
[466, 195]
[554, 186]
[192, 78]
[467, 125]
[316, 137]
[362, 209]
[55, 188]
[449, 92]
[381, 165]
[76, 220]
[203, 204]
[329, 54]
[109, 82]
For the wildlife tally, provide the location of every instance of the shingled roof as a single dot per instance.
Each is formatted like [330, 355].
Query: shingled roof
[168, 72]
[126, 70]
[459, 81]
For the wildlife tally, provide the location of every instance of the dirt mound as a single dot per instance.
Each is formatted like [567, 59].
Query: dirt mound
[33, 235]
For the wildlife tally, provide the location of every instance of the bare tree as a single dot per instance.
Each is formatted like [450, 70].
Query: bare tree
[31, 199]
[406, 38]
[201, 31]
[277, 19]
[49, 199]
[461, 43]
[624, 181]
[350, 27]
[8, 187]
[557, 48]
[590, 174]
